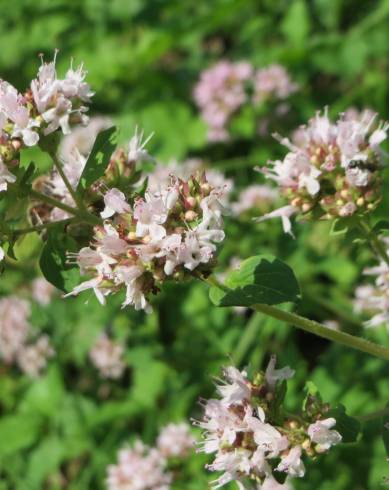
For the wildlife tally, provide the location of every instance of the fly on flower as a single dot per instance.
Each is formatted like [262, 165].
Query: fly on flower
[332, 169]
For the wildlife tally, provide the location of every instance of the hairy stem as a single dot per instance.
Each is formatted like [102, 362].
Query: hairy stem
[315, 328]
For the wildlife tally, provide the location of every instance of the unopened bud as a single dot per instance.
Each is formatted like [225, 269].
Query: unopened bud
[360, 201]
[296, 201]
[344, 193]
[293, 424]
[16, 144]
[206, 188]
[306, 445]
[191, 201]
[190, 215]
[320, 449]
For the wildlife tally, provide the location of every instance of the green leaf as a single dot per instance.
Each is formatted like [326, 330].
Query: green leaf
[53, 261]
[45, 396]
[44, 460]
[260, 279]
[98, 159]
[25, 178]
[347, 426]
[381, 226]
[339, 226]
[296, 24]
[312, 403]
[18, 432]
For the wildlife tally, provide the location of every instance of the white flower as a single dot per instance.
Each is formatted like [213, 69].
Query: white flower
[292, 463]
[320, 432]
[271, 483]
[136, 148]
[134, 293]
[12, 106]
[139, 468]
[236, 387]
[115, 202]
[284, 213]
[95, 284]
[267, 437]
[272, 81]
[82, 138]
[175, 440]
[373, 299]
[42, 291]
[234, 464]
[32, 359]
[107, 357]
[150, 214]
[254, 197]
[273, 375]
[6, 177]
[14, 326]
[59, 100]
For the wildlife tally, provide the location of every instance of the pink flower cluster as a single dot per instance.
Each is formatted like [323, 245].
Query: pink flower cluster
[220, 93]
[15, 331]
[175, 440]
[273, 82]
[42, 291]
[107, 356]
[143, 468]
[333, 171]
[256, 197]
[251, 440]
[373, 299]
[49, 104]
[167, 234]
[225, 87]
[139, 468]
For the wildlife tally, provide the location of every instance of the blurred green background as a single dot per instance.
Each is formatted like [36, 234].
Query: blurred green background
[144, 58]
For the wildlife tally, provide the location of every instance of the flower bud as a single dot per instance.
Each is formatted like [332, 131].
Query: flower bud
[190, 215]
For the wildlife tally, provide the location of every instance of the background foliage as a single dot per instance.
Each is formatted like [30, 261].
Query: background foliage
[144, 58]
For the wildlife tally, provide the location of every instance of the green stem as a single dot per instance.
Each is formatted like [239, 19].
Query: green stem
[375, 243]
[53, 202]
[315, 328]
[81, 215]
[374, 415]
[44, 226]
[68, 185]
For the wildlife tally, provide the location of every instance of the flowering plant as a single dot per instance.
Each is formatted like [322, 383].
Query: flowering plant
[110, 219]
